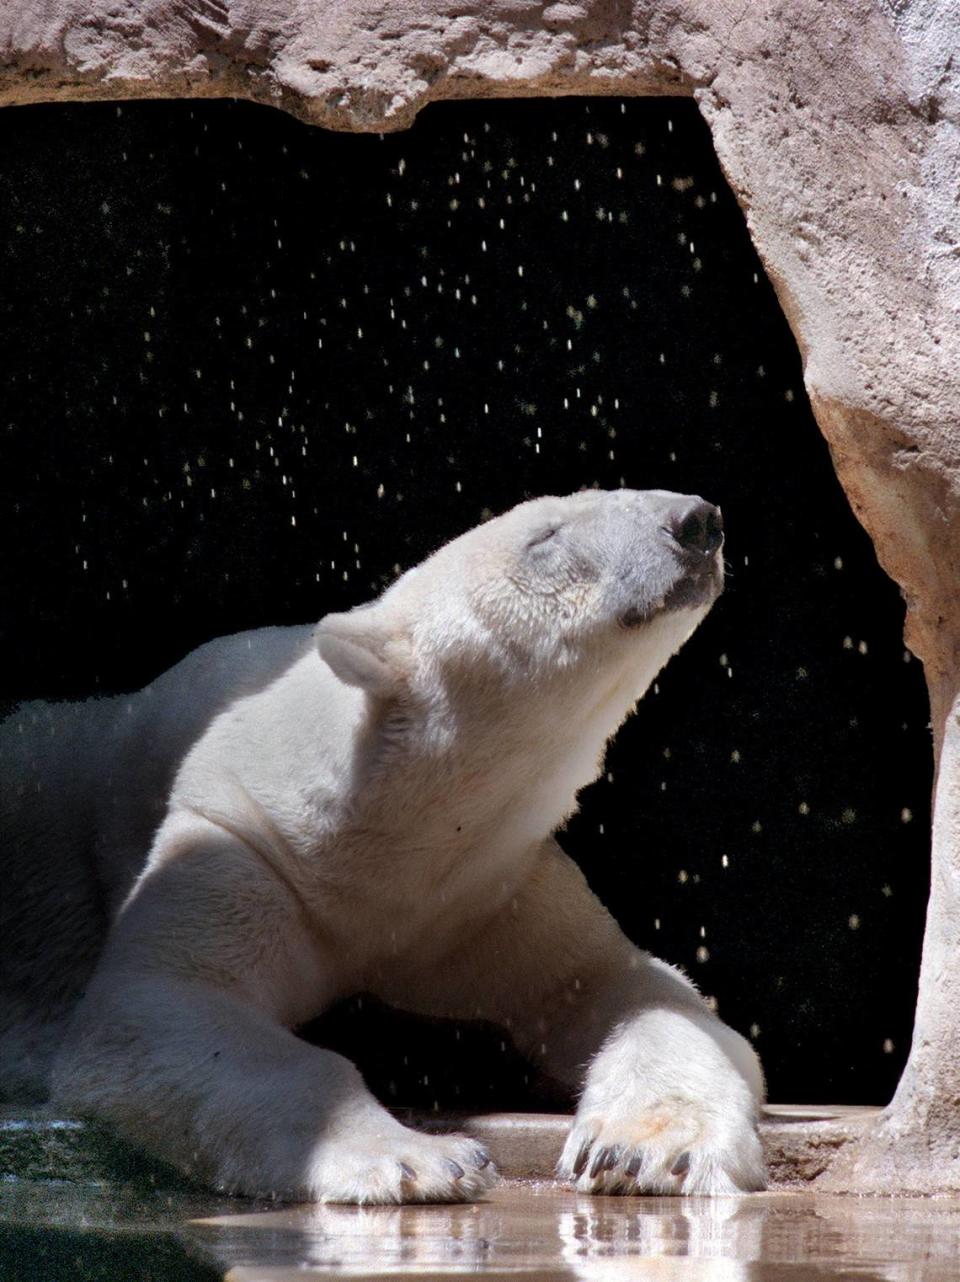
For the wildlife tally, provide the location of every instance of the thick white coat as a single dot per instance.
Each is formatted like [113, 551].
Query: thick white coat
[293, 815]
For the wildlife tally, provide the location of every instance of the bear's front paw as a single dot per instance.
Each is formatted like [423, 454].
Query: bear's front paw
[675, 1144]
[402, 1166]
[670, 1105]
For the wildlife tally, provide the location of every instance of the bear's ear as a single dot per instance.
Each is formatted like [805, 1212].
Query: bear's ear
[361, 650]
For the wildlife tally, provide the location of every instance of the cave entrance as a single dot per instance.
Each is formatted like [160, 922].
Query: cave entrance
[253, 366]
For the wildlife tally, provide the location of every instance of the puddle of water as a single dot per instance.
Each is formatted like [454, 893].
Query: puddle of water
[521, 1232]
[538, 1233]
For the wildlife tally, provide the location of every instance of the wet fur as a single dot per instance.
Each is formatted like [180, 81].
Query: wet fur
[292, 815]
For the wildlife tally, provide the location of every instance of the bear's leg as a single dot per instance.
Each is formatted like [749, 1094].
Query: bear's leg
[180, 1044]
[670, 1095]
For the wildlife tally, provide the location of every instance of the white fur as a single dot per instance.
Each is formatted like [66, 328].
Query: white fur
[289, 817]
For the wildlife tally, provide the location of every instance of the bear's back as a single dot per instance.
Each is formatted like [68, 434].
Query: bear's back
[83, 787]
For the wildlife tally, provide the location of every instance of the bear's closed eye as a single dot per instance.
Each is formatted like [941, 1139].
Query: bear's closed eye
[543, 536]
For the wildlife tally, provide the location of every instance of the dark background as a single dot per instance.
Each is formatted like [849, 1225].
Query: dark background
[249, 368]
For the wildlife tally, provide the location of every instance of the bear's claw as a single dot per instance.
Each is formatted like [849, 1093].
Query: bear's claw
[722, 1159]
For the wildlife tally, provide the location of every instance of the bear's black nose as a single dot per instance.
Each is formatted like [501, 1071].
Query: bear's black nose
[698, 527]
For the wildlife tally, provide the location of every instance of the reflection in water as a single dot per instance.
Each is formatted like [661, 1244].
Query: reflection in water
[599, 1241]
[540, 1232]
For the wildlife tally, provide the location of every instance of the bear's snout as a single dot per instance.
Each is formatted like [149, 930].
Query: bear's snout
[696, 526]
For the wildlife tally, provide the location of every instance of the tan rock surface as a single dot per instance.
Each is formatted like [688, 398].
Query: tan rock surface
[38, 1145]
[837, 124]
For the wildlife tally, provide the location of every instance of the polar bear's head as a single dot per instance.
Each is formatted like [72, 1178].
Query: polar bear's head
[581, 586]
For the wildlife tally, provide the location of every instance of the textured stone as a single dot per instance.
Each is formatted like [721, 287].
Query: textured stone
[38, 1145]
[836, 122]
[800, 1142]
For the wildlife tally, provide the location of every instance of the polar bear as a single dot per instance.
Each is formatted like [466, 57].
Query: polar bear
[290, 816]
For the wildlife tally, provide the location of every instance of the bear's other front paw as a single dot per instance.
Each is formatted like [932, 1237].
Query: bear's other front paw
[402, 1166]
[675, 1144]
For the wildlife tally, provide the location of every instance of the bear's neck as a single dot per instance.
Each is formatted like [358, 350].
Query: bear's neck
[503, 763]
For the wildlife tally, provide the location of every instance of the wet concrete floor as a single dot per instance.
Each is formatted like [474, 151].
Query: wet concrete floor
[542, 1232]
[523, 1232]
